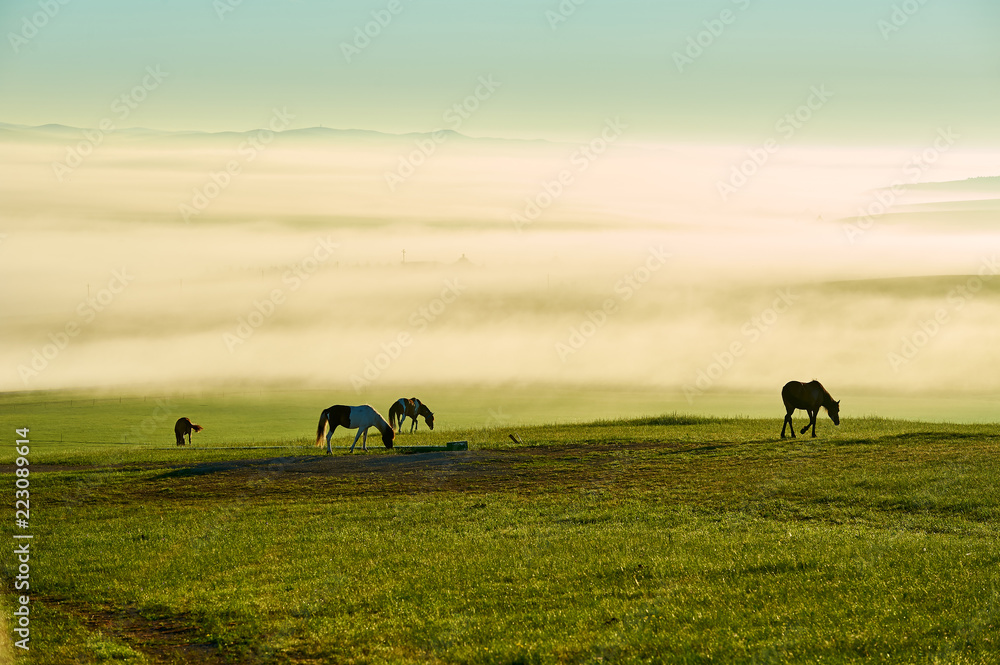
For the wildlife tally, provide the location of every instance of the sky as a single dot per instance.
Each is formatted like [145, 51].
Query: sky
[726, 70]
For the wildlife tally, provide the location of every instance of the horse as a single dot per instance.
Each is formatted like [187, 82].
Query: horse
[184, 426]
[809, 397]
[404, 408]
[353, 417]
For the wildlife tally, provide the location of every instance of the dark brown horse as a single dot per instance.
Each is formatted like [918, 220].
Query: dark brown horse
[404, 408]
[185, 427]
[809, 397]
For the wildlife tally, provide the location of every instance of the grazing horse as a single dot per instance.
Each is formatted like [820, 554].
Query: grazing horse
[184, 426]
[808, 396]
[353, 417]
[404, 408]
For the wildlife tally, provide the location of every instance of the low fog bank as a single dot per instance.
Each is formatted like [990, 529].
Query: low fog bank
[635, 318]
[633, 272]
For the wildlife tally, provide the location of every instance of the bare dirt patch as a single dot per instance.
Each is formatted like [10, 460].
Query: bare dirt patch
[667, 466]
[173, 639]
[536, 468]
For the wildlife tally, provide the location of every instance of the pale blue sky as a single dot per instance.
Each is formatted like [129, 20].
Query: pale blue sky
[942, 67]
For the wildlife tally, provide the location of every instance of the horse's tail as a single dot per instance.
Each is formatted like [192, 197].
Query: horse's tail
[323, 417]
[396, 412]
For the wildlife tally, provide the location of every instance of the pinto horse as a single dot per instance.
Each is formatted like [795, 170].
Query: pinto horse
[404, 408]
[353, 417]
[183, 427]
[809, 397]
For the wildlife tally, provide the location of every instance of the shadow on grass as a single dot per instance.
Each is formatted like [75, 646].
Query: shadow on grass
[268, 464]
[935, 437]
[666, 420]
[918, 438]
[700, 449]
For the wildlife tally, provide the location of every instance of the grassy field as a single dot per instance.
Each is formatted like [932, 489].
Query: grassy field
[288, 417]
[660, 539]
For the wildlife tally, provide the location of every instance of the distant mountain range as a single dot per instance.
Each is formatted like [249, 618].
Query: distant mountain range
[978, 184]
[64, 132]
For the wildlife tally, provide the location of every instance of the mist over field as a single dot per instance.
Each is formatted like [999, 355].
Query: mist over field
[190, 260]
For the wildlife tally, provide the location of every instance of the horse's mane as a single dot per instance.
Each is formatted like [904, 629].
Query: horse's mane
[827, 397]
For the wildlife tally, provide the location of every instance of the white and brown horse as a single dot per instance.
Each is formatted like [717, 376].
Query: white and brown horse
[353, 417]
[404, 408]
[809, 397]
[183, 427]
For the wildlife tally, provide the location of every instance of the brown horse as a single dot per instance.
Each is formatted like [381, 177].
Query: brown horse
[404, 408]
[185, 426]
[809, 397]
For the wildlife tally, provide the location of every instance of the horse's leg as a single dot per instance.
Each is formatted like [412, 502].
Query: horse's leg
[356, 437]
[811, 423]
[815, 414]
[329, 435]
[413, 425]
[788, 421]
[364, 439]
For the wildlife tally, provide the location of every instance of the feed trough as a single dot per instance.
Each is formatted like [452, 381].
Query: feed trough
[451, 445]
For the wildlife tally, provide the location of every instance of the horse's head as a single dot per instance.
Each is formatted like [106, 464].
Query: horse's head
[834, 410]
[429, 419]
[388, 434]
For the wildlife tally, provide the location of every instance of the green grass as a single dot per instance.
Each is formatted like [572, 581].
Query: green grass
[673, 538]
